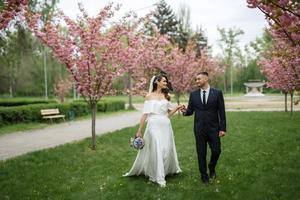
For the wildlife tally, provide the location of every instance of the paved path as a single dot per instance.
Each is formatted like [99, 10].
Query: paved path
[264, 103]
[19, 143]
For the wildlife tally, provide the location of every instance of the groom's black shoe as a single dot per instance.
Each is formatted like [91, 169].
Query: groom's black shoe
[212, 174]
[205, 180]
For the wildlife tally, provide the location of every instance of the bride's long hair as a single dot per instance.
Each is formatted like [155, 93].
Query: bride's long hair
[165, 91]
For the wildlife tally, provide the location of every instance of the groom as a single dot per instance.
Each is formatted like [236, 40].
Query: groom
[209, 123]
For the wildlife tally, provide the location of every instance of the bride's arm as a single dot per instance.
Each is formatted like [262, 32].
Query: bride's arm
[142, 122]
[171, 112]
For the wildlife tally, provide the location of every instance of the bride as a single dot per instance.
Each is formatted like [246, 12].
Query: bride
[158, 158]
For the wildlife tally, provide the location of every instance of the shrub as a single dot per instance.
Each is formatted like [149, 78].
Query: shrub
[32, 112]
[12, 102]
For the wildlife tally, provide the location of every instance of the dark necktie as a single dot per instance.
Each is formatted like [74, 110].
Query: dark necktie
[203, 97]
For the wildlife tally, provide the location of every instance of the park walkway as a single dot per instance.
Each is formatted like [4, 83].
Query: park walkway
[19, 143]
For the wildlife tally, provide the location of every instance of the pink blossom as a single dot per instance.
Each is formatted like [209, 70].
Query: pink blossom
[90, 51]
[12, 8]
[282, 66]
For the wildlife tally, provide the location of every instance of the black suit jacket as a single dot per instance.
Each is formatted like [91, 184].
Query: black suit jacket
[209, 118]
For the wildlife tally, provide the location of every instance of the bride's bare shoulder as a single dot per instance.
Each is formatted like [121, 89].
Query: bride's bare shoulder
[149, 96]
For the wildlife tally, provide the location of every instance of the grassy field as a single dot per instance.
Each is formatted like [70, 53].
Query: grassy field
[260, 160]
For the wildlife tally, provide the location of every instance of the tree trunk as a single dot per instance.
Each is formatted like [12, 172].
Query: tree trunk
[178, 101]
[94, 111]
[292, 99]
[285, 101]
[130, 106]
[225, 82]
[74, 91]
[231, 79]
[177, 98]
[10, 89]
[45, 75]
[11, 79]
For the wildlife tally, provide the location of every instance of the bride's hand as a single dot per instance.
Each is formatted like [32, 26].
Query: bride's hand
[180, 107]
[183, 108]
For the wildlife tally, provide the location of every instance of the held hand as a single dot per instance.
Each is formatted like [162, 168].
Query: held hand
[183, 109]
[221, 133]
[179, 107]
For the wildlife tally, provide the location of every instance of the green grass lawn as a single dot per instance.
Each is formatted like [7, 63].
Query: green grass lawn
[260, 160]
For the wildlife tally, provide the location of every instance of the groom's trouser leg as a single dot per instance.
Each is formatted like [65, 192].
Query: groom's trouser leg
[201, 145]
[215, 147]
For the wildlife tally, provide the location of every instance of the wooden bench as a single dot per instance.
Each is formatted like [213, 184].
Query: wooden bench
[51, 114]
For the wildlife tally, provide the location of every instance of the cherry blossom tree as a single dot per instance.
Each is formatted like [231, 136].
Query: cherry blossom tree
[181, 70]
[284, 20]
[143, 55]
[146, 56]
[62, 88]
[156, 54]
[130, 60]
[12, 9]
[89, 49]
[154, 58]
[283, 16]
[280, 67]
[183, 67]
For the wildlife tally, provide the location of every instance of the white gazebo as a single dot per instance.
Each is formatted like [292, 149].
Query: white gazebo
[254, 88]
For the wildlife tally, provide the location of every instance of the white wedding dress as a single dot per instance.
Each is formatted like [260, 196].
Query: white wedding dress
[158, 158]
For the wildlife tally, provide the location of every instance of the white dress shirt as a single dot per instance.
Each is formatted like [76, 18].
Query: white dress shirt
[206, 94]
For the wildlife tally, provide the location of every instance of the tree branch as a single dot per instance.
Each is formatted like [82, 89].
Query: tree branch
[285, 9]
[285, 32]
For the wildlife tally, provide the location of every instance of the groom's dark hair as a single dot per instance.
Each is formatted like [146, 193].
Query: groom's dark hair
[203, 73]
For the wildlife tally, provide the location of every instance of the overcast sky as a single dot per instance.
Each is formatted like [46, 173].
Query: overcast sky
[209, 14]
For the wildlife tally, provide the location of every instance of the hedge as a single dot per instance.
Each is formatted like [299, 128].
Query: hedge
[31, 113]
[12, 102]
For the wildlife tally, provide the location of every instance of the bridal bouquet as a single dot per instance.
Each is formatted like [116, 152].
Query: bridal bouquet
[137, 142]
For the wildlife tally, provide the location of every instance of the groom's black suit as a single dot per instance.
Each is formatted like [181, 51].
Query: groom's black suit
[208, 121]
